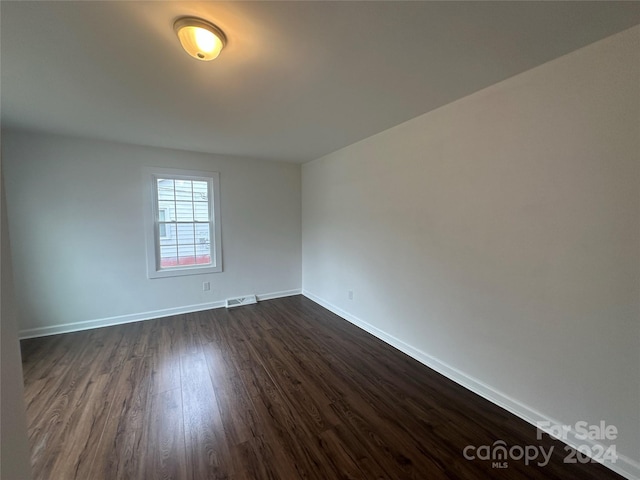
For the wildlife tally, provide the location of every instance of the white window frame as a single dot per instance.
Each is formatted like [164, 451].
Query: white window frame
[151, 216]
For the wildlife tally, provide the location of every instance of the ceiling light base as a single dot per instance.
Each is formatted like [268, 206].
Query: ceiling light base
[201, 39]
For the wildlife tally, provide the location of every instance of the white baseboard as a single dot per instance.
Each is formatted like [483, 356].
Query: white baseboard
[624, 465]
[284, 293]
[136, 317]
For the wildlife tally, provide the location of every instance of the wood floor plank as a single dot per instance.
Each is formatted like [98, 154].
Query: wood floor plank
[313, 409]
[135, 339]
[52, 417]
[367, 460]
[236, 409]
[249, 463]
[165, 456]
[343, 461]
[279, 390]
[165, 362]
[280, 428]
[207, 449]
[83, 431]
[124, 436]
[211, 325]
[184, 336]
[50, 361]
[249, 425]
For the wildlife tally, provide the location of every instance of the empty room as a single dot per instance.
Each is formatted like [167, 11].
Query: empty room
[320, 239]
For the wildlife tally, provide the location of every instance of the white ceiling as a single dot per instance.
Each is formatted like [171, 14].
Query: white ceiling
[297, 80]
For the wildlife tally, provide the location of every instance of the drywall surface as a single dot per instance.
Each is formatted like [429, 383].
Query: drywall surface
[15, 460]
[500, 236]
[76, 219]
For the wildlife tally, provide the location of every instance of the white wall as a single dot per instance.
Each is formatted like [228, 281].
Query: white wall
[76, 224]
[498, 237]
[14, 447]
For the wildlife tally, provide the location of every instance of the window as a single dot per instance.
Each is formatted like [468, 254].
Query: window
[183, 223]
[163, 215]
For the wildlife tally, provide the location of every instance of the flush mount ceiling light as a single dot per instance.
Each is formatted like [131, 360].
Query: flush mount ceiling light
[200, 39]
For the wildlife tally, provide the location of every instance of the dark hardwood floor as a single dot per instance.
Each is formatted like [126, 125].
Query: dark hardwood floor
[279, 390]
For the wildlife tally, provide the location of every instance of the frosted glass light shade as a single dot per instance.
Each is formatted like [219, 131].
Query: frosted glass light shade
[199, 38]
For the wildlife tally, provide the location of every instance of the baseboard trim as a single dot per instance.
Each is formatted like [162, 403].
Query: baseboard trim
[137, 317]
[282, 294]
[624, 465]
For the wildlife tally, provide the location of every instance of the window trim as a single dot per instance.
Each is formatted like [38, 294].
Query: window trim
[151, 222]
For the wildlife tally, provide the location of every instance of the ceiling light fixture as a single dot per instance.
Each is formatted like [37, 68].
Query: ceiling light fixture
[200, 39]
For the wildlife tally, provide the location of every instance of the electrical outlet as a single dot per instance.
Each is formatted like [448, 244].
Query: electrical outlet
[206, 286]
[350, 294]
